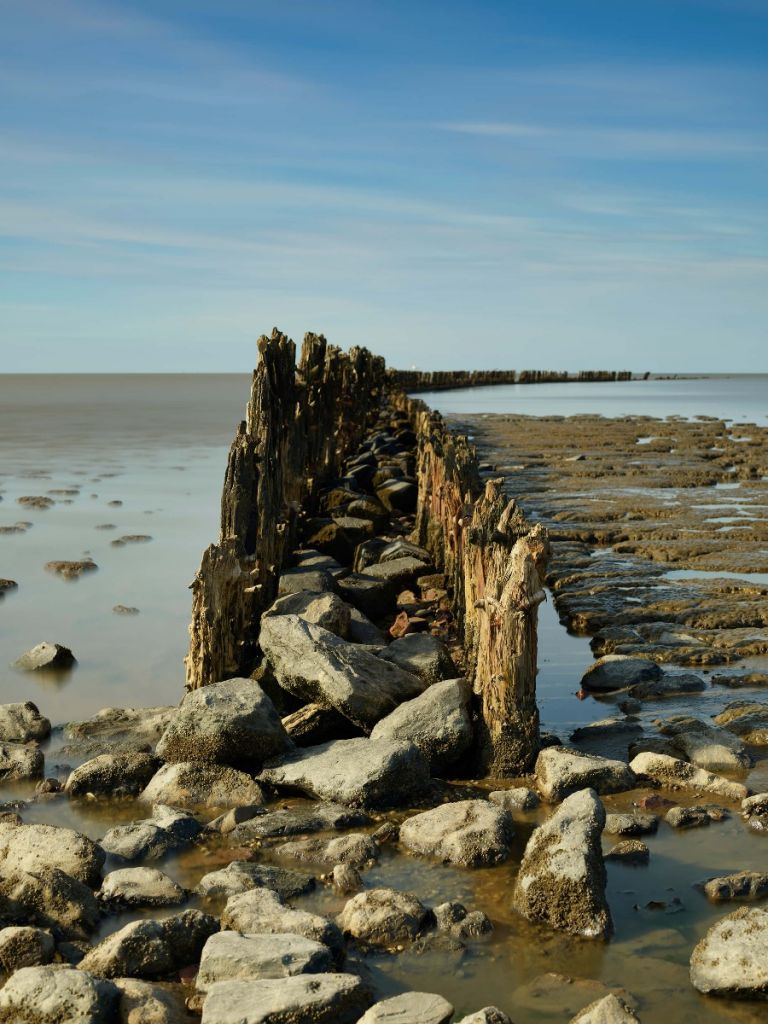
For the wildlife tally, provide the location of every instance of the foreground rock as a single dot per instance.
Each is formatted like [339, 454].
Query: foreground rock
[120, 728]
[358, 772]
[151, 949]
[51, 899]
[321, 999]
[57, 994]
[356, 849]
[410, 1008]
[608, 1010]
[707, 746]
[262, 912]
[469, 833]
[141, 887]
[232, 723]
[20, 723]
[112, 775]
[230, 956]
[746, 885]
[18, 762]
[242, 876]
[299, 820]
[672, 773]
[519, 798]
[618, 672]
[732, 958]
[45, 656]
[562, 877]
[319, 667]
[488, 1015]
[438, 722]
[32, 848]
[383, 916]
[197, 784]
[561, 771]
[141, 1002]
[24, 947]
[326, 609]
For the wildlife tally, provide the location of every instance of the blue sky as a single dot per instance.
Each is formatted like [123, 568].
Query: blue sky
[558, 183]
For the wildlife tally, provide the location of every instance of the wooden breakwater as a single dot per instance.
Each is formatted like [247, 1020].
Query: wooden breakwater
[414, 381]
[292, 459]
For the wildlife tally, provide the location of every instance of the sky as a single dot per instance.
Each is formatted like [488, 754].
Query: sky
[557, 184]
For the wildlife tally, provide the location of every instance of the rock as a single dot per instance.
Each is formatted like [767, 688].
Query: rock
[618, 672]
[629, 851]
[383, 916]
[358, 772]
[299, 820]
[125, 609]
[32, 848]
[321, 999]
[144, 1003]
[668, 686]
[653, 745]
[448, 914]
[317, 666]
[25, 947]
[181, 824]
[45, 656]
[363, 631]
[749, 721]
[687, 817]
[705, 745]
[632, 824]
[488, 1015]
[746, 885]
[197, 784]
[399, 573]
[423, 655]
[232, 723]
[356, 849]
[325, 609]
[242, 876]
[139, 840]
[561, 771]
[129, 728]
[398, 495]
[410, 1008]
[519, 798]
[262, 912]
[608, 1010]
[757, 804]
[20, 723]
[438, 722]
[71, 570]
[141, 887]
[732, 958]
[112, 775]
[469, 833]
[50, 899]
[630, 706]
[57, 994]
[230, 956]
[18, 761]
[345, 879]
[372, 596]
[562, 878]
[313, 724]
[305, 579]
[151, 949]
[674, 774]
[474, 924]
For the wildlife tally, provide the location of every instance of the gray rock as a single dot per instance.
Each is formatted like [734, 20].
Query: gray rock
[18, 761]
[618, 672]
[151, 949]
[57, 994]
[127, 728]
[321, 999]
[33, 848]
[141, 887]
[629, 851]
[373, 597]
[356, 849]
[262, 912]
[181, 824]
[112, 775]
[519, 798]
[196, 784]
[756, 804]
[45, 656]
[410, 1008]
[304, 578]
[668, 685]
[469, 833]
[687, 817]
[438, 722]
[630, 706]
[706, 745]
[299, 820]
[398, 495]
[242, 876]
[608, 737]
[423, 655]
[653, 745]
[144, 1003]
[561, 771]
[20, 723]
[363, 631]
[746, 720]
[474, 924]
[746, 885]
[22, 946]
[50, 899]
[675, 774]
[326, 609]
[313, 724]
[359, 772]
[232, 723]
[608, 1010]
[317, 666]
[562, 878]
[632, 824]
[139, 840]
[345, 879]
[448, 914]
[732, 958]
[230, 956]
[488, 1015]
[399, 572]
[383, 916]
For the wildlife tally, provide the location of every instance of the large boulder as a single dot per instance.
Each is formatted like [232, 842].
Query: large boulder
[232, 723]
[438, 722]
[562, 878]
[318, 666]
[18, 761]
[112, 775]
[262, 912]
[381, 917]
[469, 833]
[410, 1008]
[358, 772]
[671, 773]
[50, 899]
[732, 958]
[619, 671]
[422, 654]
[705, 745]
[151, 949]
[230, 956]
[57, 994]
[20, 723]
[325, 609]
[321, 999]
[34, 848]
[561, 771]
[197, 784]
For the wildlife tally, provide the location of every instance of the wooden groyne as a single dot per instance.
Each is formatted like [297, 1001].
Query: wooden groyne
[414, 381]
[334, 456]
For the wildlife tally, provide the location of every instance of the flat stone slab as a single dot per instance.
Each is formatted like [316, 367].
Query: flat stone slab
[262, 912]
[410, 1008]
[469, 833]
[618, 672]
[672, 773]
[321, 999]
[230, 956]
[561, 771]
